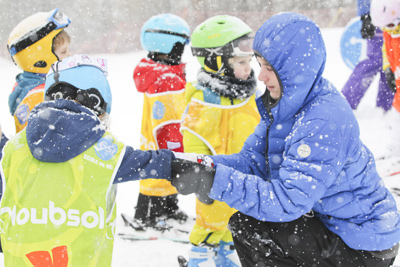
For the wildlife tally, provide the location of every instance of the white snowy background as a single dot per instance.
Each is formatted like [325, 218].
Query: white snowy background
[126, 121]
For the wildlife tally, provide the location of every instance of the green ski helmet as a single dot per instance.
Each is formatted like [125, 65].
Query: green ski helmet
[219, 38]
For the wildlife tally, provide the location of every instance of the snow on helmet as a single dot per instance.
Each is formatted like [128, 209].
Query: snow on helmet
[385, 12]
[31, 42]
[82, 78]
[219, 38]
[160, 33]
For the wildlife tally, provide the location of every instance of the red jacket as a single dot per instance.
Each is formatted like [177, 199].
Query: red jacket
[153, 77]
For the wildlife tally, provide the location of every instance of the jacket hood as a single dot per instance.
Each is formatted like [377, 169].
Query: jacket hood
[293, 45]
[59, 130]
[148, 72]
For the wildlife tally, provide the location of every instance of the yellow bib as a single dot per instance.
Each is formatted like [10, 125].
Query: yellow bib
[223, 125]
[59, 214]
[34, 97]
[159, 110]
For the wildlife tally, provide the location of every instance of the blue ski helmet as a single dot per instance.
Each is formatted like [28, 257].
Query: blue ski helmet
[161, 32]
[83, 73]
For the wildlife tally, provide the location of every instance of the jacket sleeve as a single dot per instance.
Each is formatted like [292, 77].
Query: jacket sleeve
[3, 141]
[301, 182]
[138, 164]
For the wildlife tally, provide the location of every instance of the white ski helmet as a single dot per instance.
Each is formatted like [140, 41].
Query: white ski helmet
[385, 12]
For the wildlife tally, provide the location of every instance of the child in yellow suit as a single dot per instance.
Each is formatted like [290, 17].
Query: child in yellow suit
[161, 77]
[34, 44]
[220, 115]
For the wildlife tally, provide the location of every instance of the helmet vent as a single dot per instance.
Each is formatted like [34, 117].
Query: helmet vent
[40, 64]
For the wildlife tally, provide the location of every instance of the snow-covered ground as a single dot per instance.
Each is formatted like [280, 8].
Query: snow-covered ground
[126, 121]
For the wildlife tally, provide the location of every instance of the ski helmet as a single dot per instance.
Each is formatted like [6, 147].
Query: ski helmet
[81, 78]
[219, 38]
[385, 12]
[31, 42]
[160, 33]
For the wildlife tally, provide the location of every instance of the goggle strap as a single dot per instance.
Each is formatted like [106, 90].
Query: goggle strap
[168, 32]
[32, 37]
[205, 52]
[69, 91]
[83, 97]
[226, 50]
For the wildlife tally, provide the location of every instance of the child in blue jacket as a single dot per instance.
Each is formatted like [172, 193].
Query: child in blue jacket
[306, 187]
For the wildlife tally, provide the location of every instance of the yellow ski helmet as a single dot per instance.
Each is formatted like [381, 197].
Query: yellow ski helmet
[31, 42]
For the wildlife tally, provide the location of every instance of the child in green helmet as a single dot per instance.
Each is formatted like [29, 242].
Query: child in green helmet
[221, 113]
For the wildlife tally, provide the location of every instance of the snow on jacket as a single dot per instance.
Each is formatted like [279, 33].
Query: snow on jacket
[306, 153]
[153, 77]
[65, 129]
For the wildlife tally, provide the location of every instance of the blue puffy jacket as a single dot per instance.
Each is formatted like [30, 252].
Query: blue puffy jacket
[306, 153]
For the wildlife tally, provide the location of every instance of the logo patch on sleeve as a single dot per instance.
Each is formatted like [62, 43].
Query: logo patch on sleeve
[304, 151]
[105, 148]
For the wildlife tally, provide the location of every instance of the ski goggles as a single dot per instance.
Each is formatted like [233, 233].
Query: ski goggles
[90, 98]
[170, 33]
[56, 20]
[241, 47]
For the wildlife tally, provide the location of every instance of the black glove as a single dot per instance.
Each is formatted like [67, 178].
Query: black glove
[390, 79]
[367, 28]
[190, 177]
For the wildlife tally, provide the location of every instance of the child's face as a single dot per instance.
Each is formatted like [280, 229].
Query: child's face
[241, 67]
[268, 77]
[62, 51]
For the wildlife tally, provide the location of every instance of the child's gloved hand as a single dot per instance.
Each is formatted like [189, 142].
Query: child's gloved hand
[191, 177]
[390, 79]
[367, 28]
